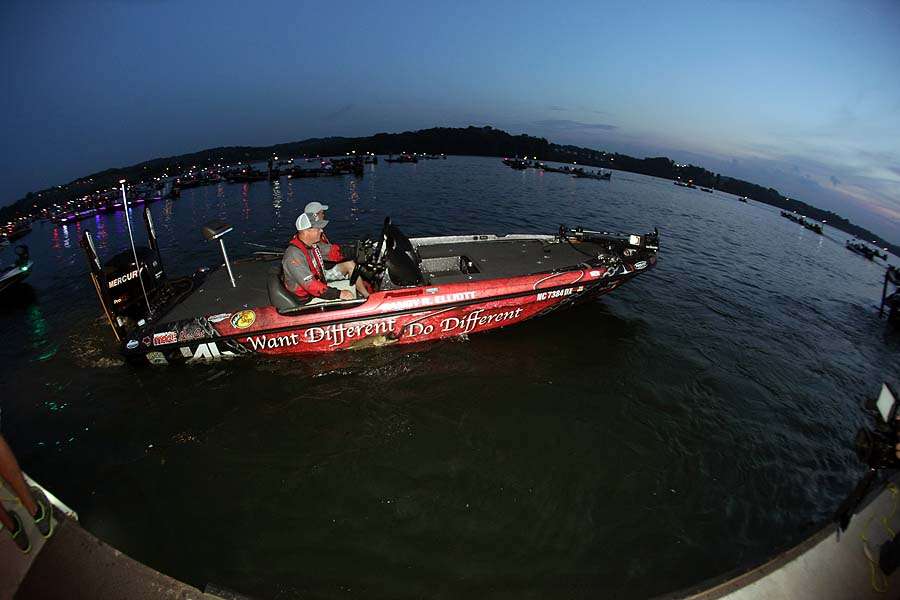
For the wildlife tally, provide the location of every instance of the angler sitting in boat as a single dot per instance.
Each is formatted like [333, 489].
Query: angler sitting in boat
[304, 264]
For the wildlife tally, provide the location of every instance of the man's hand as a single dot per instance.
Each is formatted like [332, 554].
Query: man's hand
[347, 295]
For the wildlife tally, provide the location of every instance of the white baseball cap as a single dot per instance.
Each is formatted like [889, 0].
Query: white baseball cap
[314, 207]
[307, 220]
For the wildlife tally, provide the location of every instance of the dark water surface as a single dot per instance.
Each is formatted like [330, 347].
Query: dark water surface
[687, 424]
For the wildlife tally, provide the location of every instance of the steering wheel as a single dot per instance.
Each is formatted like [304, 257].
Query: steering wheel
[372, 262]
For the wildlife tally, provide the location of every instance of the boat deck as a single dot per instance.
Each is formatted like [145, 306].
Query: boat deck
[493, 259]
[503, 258]
[216, 294]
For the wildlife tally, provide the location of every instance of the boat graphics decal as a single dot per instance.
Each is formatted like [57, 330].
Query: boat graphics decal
[156, 358]
[132, 344]
[408, 328]
[218, 318]
[430, 300]
[166, 337]
[205, 352]
[122, 279]
[243, 319]
[558, 293]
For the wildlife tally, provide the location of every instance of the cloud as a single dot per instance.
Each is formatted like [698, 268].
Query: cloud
[567, 125]
[558, 108]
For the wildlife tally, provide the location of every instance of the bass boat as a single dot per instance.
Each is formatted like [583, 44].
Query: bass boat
[13, 274]
[423, 289]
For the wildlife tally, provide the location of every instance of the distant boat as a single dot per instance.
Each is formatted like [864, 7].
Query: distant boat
[706, 190]
[801, 220]
[17, 231]
[742, 199]
[246, 175]
[582, 174]
[402, 158]
[865, 250]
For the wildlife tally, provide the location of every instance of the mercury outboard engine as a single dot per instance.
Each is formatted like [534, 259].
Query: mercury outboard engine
[128, 292]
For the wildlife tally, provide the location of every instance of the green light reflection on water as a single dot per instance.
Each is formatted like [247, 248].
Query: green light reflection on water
[38, 330]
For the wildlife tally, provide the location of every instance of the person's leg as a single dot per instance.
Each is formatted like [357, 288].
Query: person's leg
[10, 471]
[346, 268]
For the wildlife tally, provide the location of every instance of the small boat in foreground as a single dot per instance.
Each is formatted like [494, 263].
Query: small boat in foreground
[423, 289]
[18, 271]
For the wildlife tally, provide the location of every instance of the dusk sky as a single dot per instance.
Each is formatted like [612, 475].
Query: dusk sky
[800, 96]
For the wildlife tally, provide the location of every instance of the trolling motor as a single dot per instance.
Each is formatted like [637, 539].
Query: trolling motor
[215, 230]
[649, 241]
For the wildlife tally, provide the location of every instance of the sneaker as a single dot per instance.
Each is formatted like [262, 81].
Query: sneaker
[43, 518]
[18, 535]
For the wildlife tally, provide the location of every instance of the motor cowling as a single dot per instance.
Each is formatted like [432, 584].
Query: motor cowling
[121, 279]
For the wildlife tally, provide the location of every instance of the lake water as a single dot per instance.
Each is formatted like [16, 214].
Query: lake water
[687, 424]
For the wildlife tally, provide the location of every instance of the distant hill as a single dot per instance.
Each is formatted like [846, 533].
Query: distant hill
[476, 141]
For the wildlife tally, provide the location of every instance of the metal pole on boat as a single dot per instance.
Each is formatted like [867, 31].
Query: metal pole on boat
[227, 264]
[887, 275]
[137, 263]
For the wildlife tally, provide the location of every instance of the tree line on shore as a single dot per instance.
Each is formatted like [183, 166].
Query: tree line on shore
[473, 141]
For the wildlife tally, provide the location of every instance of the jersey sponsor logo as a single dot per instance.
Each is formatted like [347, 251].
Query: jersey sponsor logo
[243, 319]
[167, 337]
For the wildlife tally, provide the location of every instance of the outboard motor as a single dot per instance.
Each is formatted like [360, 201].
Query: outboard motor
[118, 283]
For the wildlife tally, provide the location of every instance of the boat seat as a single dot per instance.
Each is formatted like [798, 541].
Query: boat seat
[279, 296]
[286, 303]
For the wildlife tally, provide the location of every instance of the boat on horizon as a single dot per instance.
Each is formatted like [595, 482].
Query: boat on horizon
[864, 249]
[423, 289]
[16, 231]
[598, 175]
[403, 157]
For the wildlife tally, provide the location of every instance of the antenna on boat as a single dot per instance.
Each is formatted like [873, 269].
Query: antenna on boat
[151, 236]
[137, 263]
